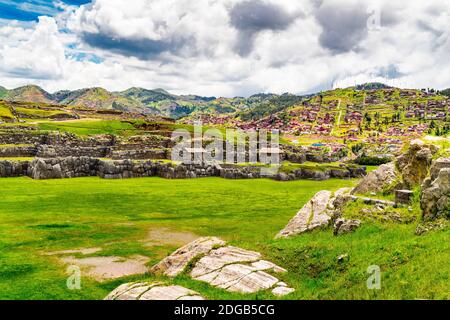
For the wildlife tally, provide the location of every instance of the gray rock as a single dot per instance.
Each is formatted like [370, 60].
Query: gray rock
[435, 198]
[317, 212]
[403, 196]
[175, 264]
[343, 226]
[377, 180]
[152, 291]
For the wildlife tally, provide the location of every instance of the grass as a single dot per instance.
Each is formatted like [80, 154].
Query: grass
[16, 158]
[5, 112]
[39, 113]
[85, 128]
[116, 215]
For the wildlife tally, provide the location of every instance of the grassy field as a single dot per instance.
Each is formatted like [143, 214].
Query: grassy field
[37, 217]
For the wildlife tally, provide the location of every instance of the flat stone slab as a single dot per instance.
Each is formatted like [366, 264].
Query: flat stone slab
[227, 267]
[152, 291]
[175, 264]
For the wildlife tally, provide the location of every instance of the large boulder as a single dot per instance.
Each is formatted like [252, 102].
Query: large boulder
[317, 212]
[376, 181]
[435, 199]
[437, 166]
[415, 164]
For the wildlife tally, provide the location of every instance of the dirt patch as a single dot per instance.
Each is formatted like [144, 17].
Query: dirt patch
[84, 251]
[106, 268]
[165, 236]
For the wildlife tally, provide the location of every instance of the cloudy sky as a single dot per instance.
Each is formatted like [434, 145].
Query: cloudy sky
[224, 47]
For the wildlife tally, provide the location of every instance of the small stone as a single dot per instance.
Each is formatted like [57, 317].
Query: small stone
[343, 258]
[282, 291]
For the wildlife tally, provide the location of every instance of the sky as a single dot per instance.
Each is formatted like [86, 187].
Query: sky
[224, 47]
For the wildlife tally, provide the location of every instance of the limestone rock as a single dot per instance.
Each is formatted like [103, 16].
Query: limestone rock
[435, 198]
[377, 180]
[221, 257]
[282, 291]
[174, 264]
[343, 226]
[415, 163]
[437, 165]
[152, 291]
[318, 212]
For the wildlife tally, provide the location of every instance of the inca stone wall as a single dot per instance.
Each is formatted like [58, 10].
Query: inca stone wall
[71, 167]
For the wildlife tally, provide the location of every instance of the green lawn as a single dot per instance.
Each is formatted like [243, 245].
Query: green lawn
[85, 128]
[42, 216]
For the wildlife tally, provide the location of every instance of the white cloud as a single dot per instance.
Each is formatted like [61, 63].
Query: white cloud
[190, 47]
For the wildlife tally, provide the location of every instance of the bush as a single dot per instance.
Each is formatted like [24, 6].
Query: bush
[372, 161]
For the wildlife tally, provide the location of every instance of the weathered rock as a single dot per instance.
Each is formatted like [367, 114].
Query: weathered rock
[318, 212]
[378, 180]
[174, 264]
[152, 291]
[415, 163]
[403, 196]
[437, 165]
[230, 268]
[282, 291]
[343, 226]
[435, 198]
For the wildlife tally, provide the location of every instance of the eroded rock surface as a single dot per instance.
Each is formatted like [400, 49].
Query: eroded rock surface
[343, 226]
[415, 163]
[175, 264]
[152, 291]
[226, 267]
[435, 199]
[317, 212]
[378, 180]
[236, 270]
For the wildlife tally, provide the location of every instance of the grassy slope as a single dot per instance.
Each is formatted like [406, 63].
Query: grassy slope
[42, 216]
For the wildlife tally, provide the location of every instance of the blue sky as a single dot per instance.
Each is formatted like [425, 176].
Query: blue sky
[224, 47]
[30, 10]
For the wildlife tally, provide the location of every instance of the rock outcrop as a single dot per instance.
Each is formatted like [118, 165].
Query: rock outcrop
[415, 164]
[175, 264]
[376, 181]
[343, 226]
[226, 267]
[317, 212]
[152, 291]
[435, 199]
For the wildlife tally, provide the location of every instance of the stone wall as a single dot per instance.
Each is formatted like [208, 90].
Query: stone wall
[54, 151]
[9, 169]
[18, 151]
[139, 154]
[71, 167]
[59, 168]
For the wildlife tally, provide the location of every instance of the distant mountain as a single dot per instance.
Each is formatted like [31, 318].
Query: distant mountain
[3, 92]
[163, 103]
[30, 93]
